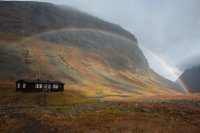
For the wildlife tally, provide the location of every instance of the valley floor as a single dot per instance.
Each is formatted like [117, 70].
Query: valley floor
[69, 112]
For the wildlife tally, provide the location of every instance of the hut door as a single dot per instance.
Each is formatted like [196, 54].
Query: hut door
[45, 87]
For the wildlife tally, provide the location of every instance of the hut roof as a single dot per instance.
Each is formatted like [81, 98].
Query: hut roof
[40, 81]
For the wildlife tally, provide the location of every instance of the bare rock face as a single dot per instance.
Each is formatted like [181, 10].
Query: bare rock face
[191, 78]
[42, 40]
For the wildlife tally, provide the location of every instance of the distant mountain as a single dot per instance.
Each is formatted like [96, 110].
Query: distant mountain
[191, 78]
[46, 41]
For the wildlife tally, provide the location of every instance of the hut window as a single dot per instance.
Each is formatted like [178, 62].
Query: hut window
[18, 85]
[38, 86]
[24, 85]
[55, 86]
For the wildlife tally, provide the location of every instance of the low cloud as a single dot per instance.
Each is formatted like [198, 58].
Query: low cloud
[191, 60]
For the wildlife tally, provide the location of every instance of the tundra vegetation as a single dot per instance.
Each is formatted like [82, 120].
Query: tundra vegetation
[69, 111]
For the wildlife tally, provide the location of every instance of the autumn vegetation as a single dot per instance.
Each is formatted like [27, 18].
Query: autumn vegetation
[70, 111]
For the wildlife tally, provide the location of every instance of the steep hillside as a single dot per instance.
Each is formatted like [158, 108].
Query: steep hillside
[191, 78]
[29, 18]
[42, 40]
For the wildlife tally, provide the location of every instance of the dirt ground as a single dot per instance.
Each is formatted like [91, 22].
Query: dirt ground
[154, 114]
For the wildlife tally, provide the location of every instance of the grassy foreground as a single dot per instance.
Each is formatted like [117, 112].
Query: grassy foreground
[70, 112]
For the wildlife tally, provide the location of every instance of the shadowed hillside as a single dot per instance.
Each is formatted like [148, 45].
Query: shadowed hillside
[191, 78]
[42, 40]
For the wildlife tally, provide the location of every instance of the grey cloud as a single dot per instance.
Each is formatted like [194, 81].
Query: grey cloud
[191, 60]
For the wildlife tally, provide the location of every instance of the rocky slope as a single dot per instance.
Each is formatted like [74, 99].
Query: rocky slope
[46, 41]
[191, 78]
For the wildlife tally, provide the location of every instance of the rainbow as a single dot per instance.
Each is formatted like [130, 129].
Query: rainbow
[170, 69]
[184, 86]
[91, 29]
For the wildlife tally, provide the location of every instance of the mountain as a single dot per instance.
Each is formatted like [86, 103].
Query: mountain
[191, 78]
[95, 57]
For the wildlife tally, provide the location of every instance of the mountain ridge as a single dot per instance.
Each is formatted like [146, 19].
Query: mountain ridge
[53, 17]
[190, 77]
[99, 59]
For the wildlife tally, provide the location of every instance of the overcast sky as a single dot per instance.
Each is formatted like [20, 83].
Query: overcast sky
[168, 31]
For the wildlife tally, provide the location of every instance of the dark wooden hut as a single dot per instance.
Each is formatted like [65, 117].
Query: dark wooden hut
[39, 86]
